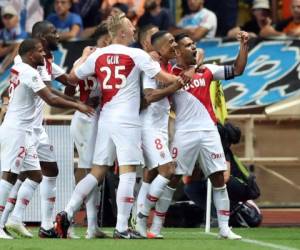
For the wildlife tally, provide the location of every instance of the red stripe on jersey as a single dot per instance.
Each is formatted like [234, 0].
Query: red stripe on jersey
[200, 88]
[112, 71]
[11, 200]
[48, 61]
[224, 212]
[159, 214]
[152, 198]
[2, 208]
[128, 199]
[85, 88]
[13, 71]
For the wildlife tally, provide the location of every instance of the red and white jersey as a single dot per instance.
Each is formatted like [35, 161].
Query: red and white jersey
[88, 88]
[118, 69]
[48, 72]
[192, 103]
[25, 81]
[156, 115]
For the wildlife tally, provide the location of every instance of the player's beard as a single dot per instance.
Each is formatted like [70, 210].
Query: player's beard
[52, 46]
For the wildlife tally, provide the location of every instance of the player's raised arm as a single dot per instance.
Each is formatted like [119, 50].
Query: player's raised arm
[241, 60]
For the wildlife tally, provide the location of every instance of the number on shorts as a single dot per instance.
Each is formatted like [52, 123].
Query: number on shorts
[22, 152]
[158, 144]
[174, 153]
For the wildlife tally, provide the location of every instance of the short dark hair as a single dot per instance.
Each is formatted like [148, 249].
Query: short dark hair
[180, 36]
[100, 31]
[144, 30]
[156, 36]
[121, 6]
[27, 46]
[40, 28]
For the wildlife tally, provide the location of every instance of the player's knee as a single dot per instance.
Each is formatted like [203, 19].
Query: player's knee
[217, 179]
[49, 169]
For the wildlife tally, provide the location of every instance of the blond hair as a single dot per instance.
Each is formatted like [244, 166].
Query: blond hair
[114, 22]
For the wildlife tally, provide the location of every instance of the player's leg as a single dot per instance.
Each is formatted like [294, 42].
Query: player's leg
[213, 164]
[34, 176]
[184, 150]
[13, 149]
[104, 154]
[48, 185]
[12, 198]
[129, 154]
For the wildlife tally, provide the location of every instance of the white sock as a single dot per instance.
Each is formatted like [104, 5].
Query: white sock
[10, 203]
[161, 209]
[125, 200]
[5, 188]
[48, 196]
[81, 192]
[142, 196]
[24, 196]
[91, 210]
[222, 205]
[155, 191]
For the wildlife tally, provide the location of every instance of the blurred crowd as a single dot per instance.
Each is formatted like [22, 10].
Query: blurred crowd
[79, 19]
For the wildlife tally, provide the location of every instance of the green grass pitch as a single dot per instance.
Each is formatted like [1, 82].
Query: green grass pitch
[175, 239]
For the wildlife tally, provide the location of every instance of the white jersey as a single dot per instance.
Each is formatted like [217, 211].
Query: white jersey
[156, 115]
[25, 81]
[118, 68]
[48, 72]
[193, 107]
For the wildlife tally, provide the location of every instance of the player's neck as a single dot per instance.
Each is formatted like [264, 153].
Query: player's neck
[120, 41]
[25, 60]
[180, 63]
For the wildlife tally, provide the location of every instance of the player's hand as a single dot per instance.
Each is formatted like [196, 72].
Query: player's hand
[83, 108]
[87, 51]
[243, 37]
[155, 56]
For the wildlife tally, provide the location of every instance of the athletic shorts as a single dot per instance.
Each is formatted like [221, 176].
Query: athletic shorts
[155, 147]
[118, 141]
[203, 146]
[18, 152]
[84, 131]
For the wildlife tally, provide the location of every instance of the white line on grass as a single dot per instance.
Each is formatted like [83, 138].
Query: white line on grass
[260, 243]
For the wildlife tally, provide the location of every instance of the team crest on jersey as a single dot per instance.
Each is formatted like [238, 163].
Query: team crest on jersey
[162, 154]
[18, 163]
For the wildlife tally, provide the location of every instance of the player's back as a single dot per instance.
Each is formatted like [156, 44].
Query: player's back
[118, 68]
[24, 82]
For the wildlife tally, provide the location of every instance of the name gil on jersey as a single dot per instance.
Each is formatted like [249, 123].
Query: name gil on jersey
[195, 84]
[112, 59]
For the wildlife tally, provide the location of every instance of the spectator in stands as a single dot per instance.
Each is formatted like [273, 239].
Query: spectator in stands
[10, 36]
[288, 27]
[89, 10]
[68, 24]
[156, 15]
[200, 23]
[30, 12]
[226, 12]
[261, 14]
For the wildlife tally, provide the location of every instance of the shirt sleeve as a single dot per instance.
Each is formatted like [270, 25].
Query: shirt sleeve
[209, 21]
[221, 72]
[76, 19]
[88, 67]
[34, 81]
[148, 83]
[57, 71]
[146, 64]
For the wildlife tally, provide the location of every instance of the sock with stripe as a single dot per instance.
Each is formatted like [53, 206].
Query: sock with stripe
[221, 202]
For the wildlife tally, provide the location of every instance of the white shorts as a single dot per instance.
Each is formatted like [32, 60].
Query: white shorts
[118, 141]
[204, 146]
[155, 147]
[43, 146]
[84, 131]
[18, 152]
